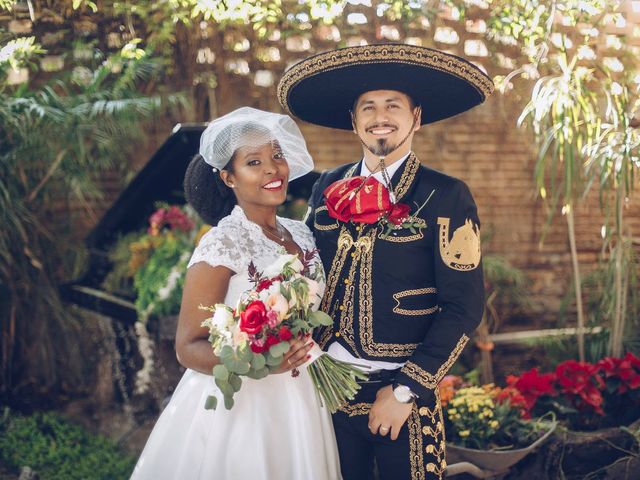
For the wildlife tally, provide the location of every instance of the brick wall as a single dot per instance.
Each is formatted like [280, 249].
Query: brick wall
[486, 149]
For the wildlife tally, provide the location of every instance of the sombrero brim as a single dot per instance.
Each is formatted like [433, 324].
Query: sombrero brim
[322, 89]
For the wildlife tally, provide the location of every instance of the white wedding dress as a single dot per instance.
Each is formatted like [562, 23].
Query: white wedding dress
[277, 429]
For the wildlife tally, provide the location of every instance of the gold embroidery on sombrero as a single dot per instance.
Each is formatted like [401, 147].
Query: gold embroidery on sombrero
[411, 293]
[462, 252]
[429, 380]
[381, 54]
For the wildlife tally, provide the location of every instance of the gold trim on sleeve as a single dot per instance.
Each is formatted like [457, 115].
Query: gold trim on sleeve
[429, 380]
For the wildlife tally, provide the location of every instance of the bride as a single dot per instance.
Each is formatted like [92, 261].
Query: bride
[277, 429]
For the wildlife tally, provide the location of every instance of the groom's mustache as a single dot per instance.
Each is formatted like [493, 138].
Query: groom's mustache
[381, 125]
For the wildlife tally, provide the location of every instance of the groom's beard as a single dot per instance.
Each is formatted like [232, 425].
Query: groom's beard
[382, 147]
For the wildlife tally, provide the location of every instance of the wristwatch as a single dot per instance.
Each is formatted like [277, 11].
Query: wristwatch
[403, 393]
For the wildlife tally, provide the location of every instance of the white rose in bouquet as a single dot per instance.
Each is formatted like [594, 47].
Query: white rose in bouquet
[276, 268]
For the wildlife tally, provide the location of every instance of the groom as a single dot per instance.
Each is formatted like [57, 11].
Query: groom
[400, 243]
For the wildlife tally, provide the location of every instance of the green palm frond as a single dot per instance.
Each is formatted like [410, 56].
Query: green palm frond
[55, 142]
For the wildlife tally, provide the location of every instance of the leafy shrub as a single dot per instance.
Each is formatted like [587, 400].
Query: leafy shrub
[58, 449]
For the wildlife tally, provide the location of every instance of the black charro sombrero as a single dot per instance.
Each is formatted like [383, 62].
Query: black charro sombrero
[321, 89]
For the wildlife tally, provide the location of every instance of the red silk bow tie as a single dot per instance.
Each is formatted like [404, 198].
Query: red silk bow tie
[362, 200]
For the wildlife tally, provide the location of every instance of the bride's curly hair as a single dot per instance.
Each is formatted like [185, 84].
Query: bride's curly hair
[206, 192]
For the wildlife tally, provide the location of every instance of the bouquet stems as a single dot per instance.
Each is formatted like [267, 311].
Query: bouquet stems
[335, 381]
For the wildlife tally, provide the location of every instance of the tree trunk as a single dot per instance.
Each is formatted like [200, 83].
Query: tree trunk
[577, 281]
[618, 324]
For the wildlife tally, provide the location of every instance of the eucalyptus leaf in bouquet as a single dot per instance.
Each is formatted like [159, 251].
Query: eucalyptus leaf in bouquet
[252, 339]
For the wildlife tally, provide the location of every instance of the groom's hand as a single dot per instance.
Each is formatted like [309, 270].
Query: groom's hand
[387, 414]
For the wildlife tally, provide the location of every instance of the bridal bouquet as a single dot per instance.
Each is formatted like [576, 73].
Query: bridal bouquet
[252, 338]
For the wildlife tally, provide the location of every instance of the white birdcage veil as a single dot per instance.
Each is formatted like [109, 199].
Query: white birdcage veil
[250, 127]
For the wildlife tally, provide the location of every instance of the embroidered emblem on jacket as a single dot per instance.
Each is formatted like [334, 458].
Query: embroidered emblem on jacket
[462, 252]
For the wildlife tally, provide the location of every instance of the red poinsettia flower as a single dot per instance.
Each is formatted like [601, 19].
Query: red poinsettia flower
[532, 386]
[621, 370]
[515, 399]
[582, 384]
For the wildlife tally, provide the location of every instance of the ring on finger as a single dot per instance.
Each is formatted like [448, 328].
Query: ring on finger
[384, 429]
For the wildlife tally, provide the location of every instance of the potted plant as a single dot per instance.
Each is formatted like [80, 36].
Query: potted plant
[488, 426]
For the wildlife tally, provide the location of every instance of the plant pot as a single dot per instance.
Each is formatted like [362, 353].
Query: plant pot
[494, 460]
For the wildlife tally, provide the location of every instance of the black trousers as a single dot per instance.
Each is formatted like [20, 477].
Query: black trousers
[417, 454]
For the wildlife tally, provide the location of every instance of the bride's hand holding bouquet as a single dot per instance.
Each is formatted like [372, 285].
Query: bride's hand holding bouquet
[267, 332]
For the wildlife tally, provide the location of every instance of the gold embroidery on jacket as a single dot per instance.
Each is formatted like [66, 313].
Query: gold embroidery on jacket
[394, 238]
[416, 454]
[411, 293]
[408, 176]
[317, 226]
[356, 409]
[433, 429]
[362, 264]
[366, 313]
[429, 380]
[462, 252]
[333, 277]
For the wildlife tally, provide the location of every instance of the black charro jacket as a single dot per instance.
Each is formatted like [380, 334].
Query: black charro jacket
[407, 297]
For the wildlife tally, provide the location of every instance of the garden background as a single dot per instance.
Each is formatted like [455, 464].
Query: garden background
[90, 90]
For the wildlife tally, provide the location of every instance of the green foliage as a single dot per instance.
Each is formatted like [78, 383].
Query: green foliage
[18, 53]
[58, 449]
[119, 280]
[7, 4]
[55, 143]
[158, 283]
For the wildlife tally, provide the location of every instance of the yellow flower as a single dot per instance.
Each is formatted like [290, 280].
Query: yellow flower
[464, 433]
[452, 411]
[493, 424]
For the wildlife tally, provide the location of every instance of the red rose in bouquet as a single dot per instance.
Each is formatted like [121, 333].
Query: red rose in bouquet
[285, 334]
[253, 317]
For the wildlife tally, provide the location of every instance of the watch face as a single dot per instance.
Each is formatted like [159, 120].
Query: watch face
[402, 393]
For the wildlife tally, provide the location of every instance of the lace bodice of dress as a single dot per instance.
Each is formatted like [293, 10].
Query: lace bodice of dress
[237, 241]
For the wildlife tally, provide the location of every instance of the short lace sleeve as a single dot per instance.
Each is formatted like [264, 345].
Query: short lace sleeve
[219, 247]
